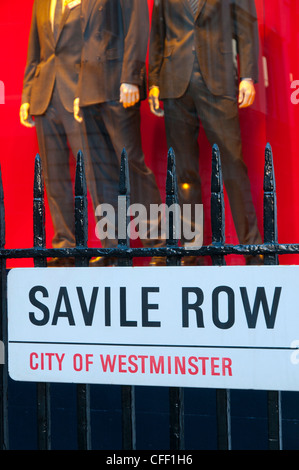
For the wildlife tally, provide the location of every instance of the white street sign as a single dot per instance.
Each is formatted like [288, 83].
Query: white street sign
[230, 327]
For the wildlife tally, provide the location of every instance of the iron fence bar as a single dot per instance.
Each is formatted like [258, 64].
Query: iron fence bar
[218, 239]
[176, 394]
[139, 252]
[81, 236]
[127, 391]
[128, 417]
[39, 236]
[271, 236]
[217, 208]
[270, 208]
[4, 435]
[39, 240]
[124, 199]
[81, 211]
[172, 240]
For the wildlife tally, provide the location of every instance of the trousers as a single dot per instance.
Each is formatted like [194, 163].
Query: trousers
[218, 115]
[109, 128]
[59, 135]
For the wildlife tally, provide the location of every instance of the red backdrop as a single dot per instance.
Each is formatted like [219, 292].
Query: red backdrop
[273, 118]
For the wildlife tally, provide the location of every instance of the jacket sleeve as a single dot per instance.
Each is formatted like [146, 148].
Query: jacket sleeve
[136, 30]
[246, 34]
[33, 58]
[156, 47]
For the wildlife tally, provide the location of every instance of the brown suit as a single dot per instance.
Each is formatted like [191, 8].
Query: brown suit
[50, 81]
[115, 34]
[115, 45]
[51, 62]
[175, 32]
[191, 60]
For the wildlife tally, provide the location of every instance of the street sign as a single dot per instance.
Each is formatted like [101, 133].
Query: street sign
[233, 327]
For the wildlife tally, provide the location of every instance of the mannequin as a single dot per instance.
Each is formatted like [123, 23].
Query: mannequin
[192, 70]
[50, 81]
[107, 105]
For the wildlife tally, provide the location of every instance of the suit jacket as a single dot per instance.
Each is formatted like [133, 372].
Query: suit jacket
[114, 51]
[49, 61]
[175, 32]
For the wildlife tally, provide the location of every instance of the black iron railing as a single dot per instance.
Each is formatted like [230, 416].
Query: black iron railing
[125, 254]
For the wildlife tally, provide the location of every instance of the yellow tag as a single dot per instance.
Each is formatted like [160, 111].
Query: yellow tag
[73, 4]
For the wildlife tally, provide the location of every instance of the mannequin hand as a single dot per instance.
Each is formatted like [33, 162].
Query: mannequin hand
[246, 93]
[25, 118]
[153, 99]
[76, 107]
[129, 95]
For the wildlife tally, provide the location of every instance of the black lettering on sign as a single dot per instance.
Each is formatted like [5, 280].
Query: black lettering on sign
[36, 303]
[107, 306]
[63, 297]
[261, 299]
[88, 313]
[187, 306]
[146, 307]
[123, 309]
[230, 307]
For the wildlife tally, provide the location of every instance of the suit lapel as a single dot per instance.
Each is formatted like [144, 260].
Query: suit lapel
[86, 8]
[187, 5]
[63, 20]
[48, 26]
[201, 4]
[200, 7]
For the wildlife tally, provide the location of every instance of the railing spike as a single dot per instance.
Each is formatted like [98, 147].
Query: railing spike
[123, 206]
[217, 199]
[80, 179]
[270, 204]
[81, 212]
[269, 176]
[216, 178]
[172, 200]
[171, 179]
[124, 179]
[39, 234]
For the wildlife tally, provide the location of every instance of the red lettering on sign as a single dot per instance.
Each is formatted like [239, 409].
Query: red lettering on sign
[178, 365]
[227, 366]
[45, 361]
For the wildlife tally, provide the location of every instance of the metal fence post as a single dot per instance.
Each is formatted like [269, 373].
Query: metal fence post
[218, 239]
[39, 241]
[176, 394]
[271, 237]
[127, 391]
[270, 207]
[81, 210]
[124, 203]
[217, 206]
[4, 438]
[81, 235]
